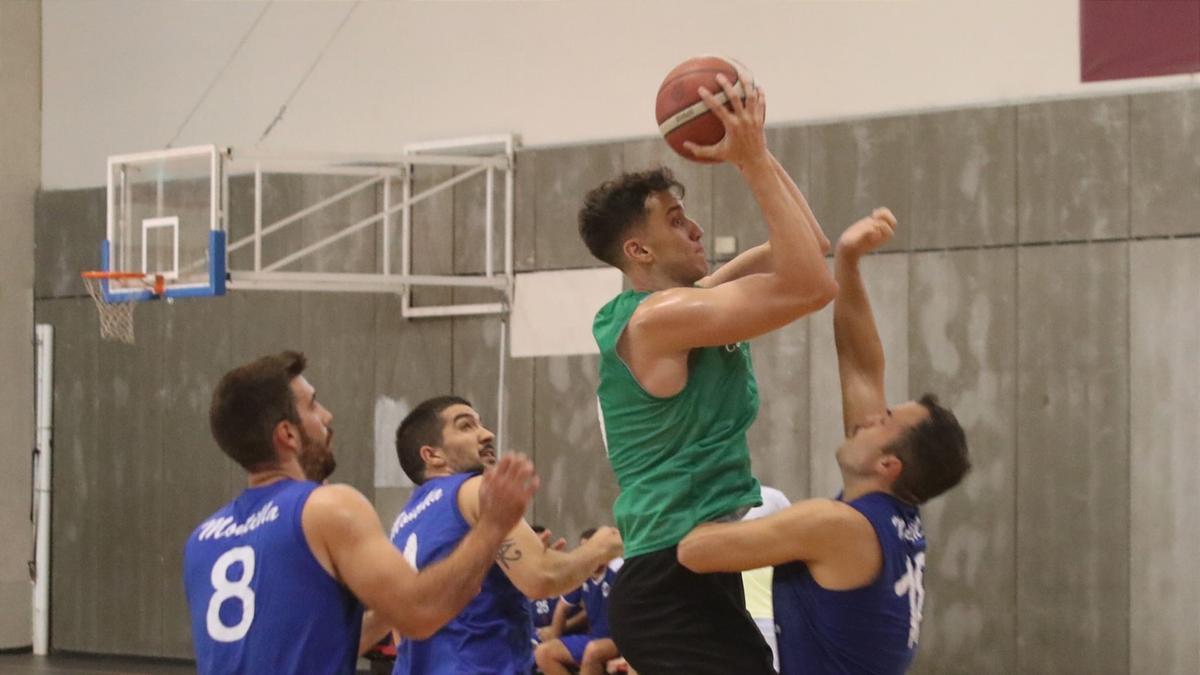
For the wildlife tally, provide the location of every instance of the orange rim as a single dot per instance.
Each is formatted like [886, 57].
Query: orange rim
[112, 275]
[159, 281]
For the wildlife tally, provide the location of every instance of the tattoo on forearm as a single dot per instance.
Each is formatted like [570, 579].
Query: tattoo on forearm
[508, 554]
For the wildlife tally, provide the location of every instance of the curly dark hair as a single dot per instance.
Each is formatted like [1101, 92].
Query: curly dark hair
[609, 211]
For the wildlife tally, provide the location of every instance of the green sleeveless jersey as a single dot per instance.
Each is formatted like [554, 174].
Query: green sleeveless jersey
[679, 461]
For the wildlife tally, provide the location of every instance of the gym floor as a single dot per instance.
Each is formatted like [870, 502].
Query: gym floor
[80, 664]
[11, 664]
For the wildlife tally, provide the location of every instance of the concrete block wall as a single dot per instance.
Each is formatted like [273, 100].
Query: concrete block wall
[1043, 284]
[20, 132]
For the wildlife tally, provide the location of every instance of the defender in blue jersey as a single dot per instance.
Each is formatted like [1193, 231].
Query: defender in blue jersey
[849, 583]
[591, 650]
[274, 579]
[442, 446]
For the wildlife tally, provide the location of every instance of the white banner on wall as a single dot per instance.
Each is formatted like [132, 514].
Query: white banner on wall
[552, 312]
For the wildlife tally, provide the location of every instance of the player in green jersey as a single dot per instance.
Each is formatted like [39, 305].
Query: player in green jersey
[677, 391]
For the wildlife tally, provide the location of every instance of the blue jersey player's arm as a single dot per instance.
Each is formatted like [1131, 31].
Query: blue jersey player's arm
[859, 349]
[345, 536]
[836, 542]
[536, 570]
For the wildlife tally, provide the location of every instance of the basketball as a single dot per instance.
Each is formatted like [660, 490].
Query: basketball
[679, 110]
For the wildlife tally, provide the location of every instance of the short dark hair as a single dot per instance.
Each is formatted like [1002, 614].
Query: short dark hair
[617, 205]
[249, 402]
[934, 454]
[422, 426]
[587, 534]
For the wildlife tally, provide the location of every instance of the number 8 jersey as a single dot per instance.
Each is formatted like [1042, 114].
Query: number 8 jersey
[873, 629]
[259, 600]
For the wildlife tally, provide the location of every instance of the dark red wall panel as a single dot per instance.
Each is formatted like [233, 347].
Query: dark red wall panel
[1138, 38]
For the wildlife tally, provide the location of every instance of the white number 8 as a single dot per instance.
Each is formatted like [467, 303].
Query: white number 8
[227, 589]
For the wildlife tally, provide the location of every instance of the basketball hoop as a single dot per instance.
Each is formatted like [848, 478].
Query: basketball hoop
[116, 313]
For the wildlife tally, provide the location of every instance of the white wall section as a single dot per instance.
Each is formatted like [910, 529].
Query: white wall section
[122, 75]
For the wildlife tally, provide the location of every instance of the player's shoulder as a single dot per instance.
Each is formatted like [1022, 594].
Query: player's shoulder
[335, 505]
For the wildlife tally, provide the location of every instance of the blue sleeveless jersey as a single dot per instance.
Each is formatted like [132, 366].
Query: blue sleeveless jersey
[594, 596]
[259, 600]
[493, 634]
[873, 629]
[543, 611]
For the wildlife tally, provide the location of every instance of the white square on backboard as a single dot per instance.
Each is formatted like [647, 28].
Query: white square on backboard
[552, 312]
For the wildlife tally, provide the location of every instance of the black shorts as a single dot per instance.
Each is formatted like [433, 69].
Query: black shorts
[668, 620]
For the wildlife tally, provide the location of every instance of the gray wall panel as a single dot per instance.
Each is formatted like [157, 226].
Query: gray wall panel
[286, 194]
[853, 170]
[964, 179]
[129, 444]
[17, 399]
[70, 227]
[886, 279]
[563, 177]
[76, 531]
[337, 335]
[20, 145]
[432, 235]
[1164, 387]
[413, 362]
[1073, 170]
[470, 220]
[779, 437]
[195, 473]
[476, 368]
[578, 487]
[413, 356]
[525, 195]
[735, 212]
[962, 346]
[1164, 167]
[1073, 459]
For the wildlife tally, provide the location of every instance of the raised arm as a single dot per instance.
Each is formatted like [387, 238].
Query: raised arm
[344, 533]
[798, 197]
[536, 570]
[795, 283]
[859, 351]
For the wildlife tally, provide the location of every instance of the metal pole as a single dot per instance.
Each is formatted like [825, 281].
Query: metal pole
[489, 225]
[258, 216]
[406, 236]
[501, 390]
[42, 488]
[387, 226]
[509, 190]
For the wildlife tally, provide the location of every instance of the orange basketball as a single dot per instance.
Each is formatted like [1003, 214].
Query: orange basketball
[682, 115]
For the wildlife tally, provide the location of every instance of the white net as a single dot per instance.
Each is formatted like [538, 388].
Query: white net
[116, 318]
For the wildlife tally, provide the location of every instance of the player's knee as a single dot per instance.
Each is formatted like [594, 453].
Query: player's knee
[596, 652]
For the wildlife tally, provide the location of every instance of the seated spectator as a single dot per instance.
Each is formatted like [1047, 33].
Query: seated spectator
[542, 609]
[589, 651]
